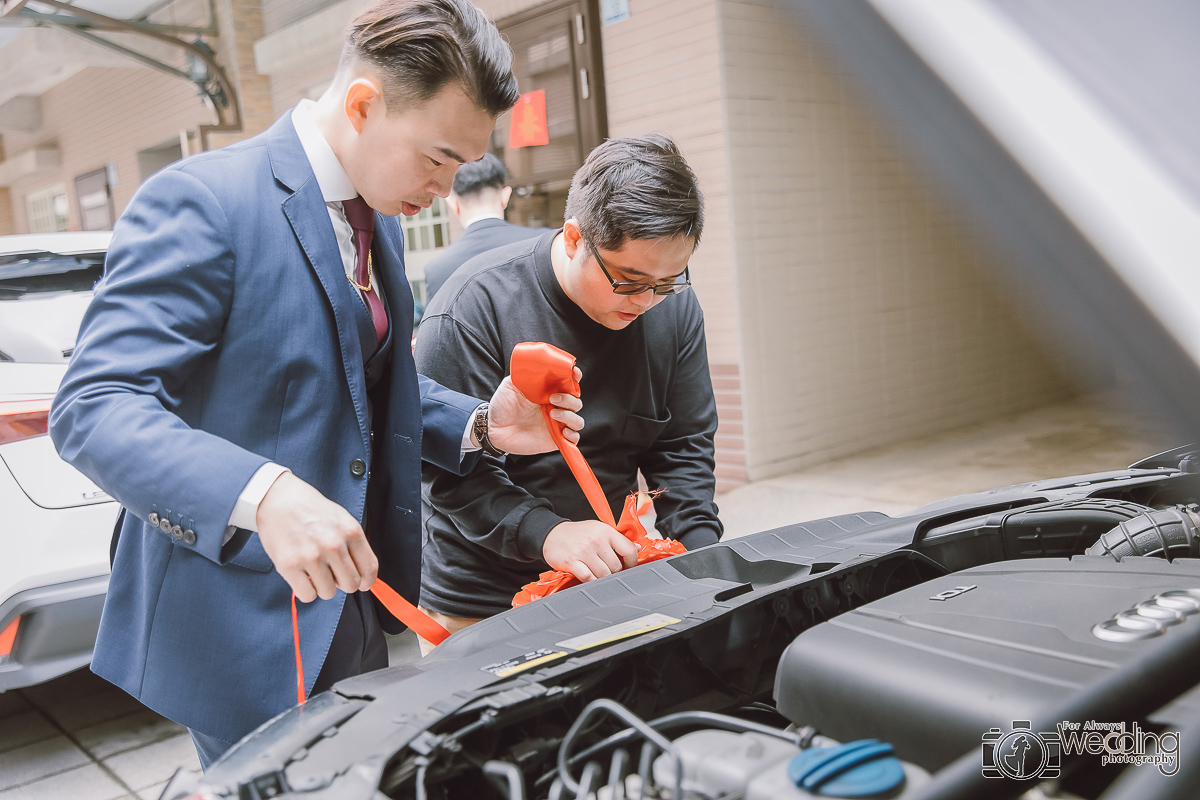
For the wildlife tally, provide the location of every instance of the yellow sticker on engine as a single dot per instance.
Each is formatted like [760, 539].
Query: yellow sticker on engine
[615, 633]
[523, 662]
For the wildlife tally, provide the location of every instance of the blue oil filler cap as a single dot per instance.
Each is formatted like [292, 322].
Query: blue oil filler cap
[865, 768]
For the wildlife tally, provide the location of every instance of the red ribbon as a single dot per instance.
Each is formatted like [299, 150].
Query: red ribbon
[539, 370]
[397, 606]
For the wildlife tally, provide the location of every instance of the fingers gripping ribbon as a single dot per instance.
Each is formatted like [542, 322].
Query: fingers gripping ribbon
[397, 606]
[539, 370]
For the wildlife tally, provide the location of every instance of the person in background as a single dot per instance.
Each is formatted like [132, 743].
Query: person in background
[612, 289]
[478, 200]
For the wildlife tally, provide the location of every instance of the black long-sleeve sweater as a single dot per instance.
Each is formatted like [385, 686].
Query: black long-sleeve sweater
[648, 405]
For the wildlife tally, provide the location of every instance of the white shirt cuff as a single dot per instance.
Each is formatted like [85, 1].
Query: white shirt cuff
[245, 510]
[467, 447]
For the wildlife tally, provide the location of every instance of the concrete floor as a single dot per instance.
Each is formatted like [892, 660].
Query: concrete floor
[79, 738]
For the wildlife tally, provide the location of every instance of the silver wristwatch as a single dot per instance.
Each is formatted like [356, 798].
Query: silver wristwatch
[480, 427]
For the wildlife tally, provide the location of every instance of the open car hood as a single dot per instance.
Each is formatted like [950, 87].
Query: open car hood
[708, 631]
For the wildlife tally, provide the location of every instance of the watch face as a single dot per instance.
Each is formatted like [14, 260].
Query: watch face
[481, 432]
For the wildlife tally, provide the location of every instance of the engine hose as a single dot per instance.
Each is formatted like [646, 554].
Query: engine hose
[606, 706]
[802, 738]
[618, 768]
[1168, 533]
[507, 778]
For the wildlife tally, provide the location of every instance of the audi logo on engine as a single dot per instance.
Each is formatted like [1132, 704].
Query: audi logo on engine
[1150, 618]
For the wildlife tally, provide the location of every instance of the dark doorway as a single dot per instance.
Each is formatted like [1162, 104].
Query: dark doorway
[557, 50]
[94, 195]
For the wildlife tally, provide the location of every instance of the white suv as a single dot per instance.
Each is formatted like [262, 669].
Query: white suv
[46, 284]
[57, 524]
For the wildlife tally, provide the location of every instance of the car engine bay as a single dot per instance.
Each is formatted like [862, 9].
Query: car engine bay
[857, 656]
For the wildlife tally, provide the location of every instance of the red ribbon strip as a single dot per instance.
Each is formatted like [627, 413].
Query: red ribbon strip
[299, 662]
[539, 370]
[420, 623]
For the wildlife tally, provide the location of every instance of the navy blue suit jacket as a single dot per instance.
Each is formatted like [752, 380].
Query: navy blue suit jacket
[479, 237]
[222, 336]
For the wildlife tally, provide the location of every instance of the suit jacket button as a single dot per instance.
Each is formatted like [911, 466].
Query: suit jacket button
[164, 525]
[176, 532]
[189, 537]
[358, 468]
[153, 518]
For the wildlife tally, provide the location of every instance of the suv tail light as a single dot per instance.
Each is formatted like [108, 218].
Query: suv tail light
[23, 419]
[7, 637]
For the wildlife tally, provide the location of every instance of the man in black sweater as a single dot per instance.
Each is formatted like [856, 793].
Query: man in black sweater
[611, 288]
[478, 199]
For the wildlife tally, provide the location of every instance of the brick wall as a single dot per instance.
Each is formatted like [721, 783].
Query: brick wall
[867, 313]
[6, 213]
[241, 25]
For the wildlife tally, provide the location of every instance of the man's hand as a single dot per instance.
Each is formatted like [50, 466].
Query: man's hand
[315, 544]
[516, 425]
[588, 549]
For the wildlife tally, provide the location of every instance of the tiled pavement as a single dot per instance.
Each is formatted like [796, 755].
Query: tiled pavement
[79, 738]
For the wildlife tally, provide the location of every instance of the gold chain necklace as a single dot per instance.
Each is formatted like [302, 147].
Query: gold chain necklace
[366, 289]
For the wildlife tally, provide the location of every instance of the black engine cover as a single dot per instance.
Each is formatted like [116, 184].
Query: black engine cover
[932, 668]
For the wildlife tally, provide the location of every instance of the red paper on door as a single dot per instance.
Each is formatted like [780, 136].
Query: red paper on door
[529, 121]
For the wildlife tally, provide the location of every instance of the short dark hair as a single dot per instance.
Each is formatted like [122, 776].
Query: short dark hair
[635, 188]
[419, 46]
[486, 173]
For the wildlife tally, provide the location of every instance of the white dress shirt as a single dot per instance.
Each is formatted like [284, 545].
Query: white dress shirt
[335, 187]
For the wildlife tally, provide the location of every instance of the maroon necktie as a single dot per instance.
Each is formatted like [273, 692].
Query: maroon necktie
[362, 219]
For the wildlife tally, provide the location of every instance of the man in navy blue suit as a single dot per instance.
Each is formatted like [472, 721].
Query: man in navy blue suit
[478, 200]
[244, 386]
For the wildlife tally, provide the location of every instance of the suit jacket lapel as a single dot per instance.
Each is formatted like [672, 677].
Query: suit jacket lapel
[308, 215]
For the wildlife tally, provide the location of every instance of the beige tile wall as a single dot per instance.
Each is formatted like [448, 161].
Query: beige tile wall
[867, 314]
[663, 74]
[287, 90]
[277, 14]
[105, 115]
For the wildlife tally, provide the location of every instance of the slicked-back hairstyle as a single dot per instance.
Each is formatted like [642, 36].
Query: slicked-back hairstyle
[635, 188]
[420, 46]
[486, 173]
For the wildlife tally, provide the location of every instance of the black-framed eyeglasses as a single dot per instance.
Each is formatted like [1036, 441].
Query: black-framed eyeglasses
[682, 281]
